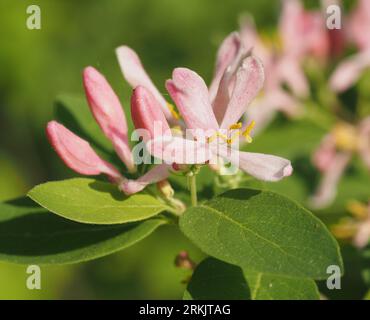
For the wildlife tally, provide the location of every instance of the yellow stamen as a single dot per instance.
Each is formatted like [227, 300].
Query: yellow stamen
[344, 229]
[357, 209]
[248, 130]
[214, 136]
[235, 126]
[173, 111]
[232, 139]
[346, 137]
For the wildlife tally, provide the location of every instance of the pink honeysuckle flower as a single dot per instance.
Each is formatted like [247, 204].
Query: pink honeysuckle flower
[281, 70]
[108, 113]
[335, 153]
[191, 96]
[147, 114]
[362, 236]
[357, 227]
[77, 153]
[135, 75]
[350, 70]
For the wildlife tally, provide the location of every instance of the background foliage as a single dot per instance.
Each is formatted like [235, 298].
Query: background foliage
[39, 65]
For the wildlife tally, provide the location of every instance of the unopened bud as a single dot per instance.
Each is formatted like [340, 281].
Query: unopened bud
[183, 260]
[165, 189]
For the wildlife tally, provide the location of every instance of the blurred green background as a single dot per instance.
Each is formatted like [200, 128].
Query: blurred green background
[38, 65]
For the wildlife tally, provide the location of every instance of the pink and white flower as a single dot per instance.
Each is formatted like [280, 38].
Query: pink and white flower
[77, 153]
[135, 74]
[238, 88]
[335, 153]
[350, 70]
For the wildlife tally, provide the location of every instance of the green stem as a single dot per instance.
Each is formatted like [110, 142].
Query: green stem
[193, 189]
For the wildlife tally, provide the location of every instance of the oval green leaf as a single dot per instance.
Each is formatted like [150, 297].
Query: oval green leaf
[92, 201]
[30, 234]
[217, 280]
[264, 232]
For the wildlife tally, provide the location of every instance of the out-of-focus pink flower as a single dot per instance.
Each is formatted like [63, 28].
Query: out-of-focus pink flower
[350, 70]
[301, 33]
[357, 227]
[281, 70]
[135, 75]
[359, 23]
[335, 153]
[194, 102]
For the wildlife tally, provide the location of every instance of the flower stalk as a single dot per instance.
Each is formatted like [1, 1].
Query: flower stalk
[193, 189]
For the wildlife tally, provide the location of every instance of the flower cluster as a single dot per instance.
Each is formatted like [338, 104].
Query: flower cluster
[206, 131]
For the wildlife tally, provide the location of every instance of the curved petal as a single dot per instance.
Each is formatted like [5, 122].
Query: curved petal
[327, 189]
[77, 153]
[227, 85]
[249, 81]
[156, 174]
[359, 22]
[364, 146]
[190, 94]
[291, 72]
[261, 166]
[135, 75]
[108, 112]
[179, 150]
[147, 114]
[325, 155]
[362, 236]
[349, 71]
[290, 26]
[226, 54]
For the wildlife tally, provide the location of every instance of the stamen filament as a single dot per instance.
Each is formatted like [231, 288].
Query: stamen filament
[173, 111]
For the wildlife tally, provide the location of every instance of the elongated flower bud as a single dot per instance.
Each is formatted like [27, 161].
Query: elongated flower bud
[77, 153]
[108, 112]
[147, 113]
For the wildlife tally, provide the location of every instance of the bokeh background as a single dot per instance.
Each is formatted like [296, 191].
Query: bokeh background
[36, 66]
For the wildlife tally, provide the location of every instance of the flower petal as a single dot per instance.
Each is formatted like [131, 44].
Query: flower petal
[364, 146]
[156, 174]
[291, 72]
[147, 114]
[362, 236]
[226, 54]
[135, 75]
[179, 150]
[359, 22]
[108, 112]
[325, 155]
[327, 189]
[249, 81]
[349, 71]
[190, 94]
[261, 166]
[77, 153]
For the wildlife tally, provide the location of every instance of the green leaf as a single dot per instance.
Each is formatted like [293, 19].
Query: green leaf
[272, 287]
[91, 201]
[31, 234]
[218, 280]
[264, 232]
